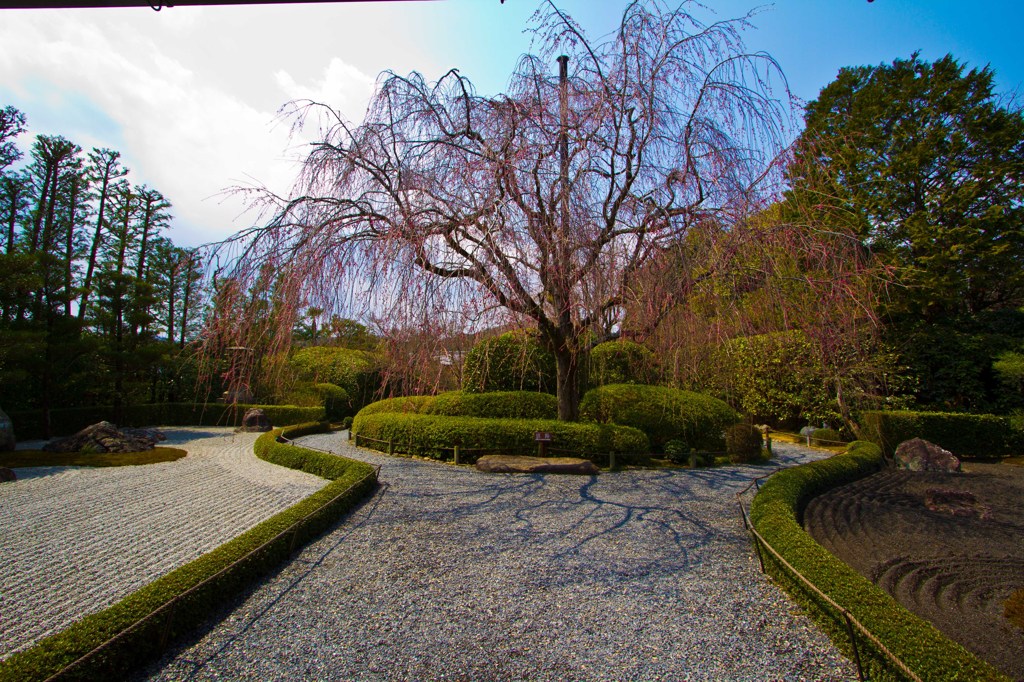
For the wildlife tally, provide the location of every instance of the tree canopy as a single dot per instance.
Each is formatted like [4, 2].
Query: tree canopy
[546, 202]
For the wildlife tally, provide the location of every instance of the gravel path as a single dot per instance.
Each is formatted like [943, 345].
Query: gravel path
[74, 540]
[449, 574]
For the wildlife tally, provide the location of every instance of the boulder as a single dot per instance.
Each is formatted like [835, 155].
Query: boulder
[105, 437]
[7, 475]
[255, 420]
[508, 464]
[918, 454]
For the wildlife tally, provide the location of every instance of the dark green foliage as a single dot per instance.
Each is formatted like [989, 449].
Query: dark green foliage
[825, 437]
[354, 371]
[346, 423]
[965, 435]
[42, 458]
[283, 532]
[662, 413]
[776, 513]
[435, 436]
[514, 361]
[677, 451]
[495, 405]
[622, 362]
[28, 425]
[744, 443]
[1013, 608]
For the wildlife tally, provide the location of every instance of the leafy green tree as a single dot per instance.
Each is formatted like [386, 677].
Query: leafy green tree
[922, 161]
[513, 361]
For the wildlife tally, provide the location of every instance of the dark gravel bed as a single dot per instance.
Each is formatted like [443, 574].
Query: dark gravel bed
[450, 574]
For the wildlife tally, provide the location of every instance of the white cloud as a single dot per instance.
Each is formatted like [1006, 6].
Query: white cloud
[179, 132]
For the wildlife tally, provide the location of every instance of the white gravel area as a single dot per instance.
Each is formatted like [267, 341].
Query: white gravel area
[450, 574]
[74, 540]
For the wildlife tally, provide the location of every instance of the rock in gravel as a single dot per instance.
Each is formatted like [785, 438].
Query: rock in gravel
[255, 420]
[509, 464]
[6, 433]
[918, 454]
[7, 475]
[102, 437]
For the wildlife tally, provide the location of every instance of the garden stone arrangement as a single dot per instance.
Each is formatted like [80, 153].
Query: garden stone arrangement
[448, 573]
[77, 539]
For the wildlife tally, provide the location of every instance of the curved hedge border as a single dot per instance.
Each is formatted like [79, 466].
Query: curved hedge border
[435, 435]
[29, 425]
[776, 514]
[234, 561]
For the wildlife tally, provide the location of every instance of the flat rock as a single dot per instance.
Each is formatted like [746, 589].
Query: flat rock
[7, 475]
[511, 464]
[918, 454]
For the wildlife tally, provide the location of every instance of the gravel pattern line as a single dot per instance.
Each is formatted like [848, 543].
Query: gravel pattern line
[450, 574]
[74, 540]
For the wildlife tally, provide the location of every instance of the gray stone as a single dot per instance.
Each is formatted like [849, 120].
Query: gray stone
[7, 475]
[918, 454]
[254, 421]
[509, 464]
[104, 437]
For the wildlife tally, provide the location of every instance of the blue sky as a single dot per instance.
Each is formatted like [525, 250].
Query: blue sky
[189, 95]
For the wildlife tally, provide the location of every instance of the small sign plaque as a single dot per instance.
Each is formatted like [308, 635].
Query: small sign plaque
[543, 436]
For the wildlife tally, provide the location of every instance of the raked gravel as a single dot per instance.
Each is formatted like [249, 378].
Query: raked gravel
[74, 540]
[450, 574]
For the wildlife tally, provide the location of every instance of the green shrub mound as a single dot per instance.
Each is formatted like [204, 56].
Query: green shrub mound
[965, 435]
[744, 443]
[64, 422]
[231, 564]
[413, 404]
[495, 405]
[662, 413]
[514, 361]
[622, 362]
[825, 437]
[354, 371]
[434, 436]
[776, 513]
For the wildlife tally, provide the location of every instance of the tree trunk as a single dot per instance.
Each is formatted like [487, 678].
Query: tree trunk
[568, 385]
[69, 245]
[97, 239]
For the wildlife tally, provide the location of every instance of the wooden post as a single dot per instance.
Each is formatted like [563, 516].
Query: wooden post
[456, 454]
[391, 447]
[611, 460]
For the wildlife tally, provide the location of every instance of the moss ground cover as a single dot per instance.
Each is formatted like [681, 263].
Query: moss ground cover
[41, 458]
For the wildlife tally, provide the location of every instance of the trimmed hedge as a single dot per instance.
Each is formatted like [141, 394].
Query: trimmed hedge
[514, 361]
[965, 435]
[413, 404]
[494, 405]
[776, 513]
[29, 425]
[435, 435]
[662, 413]
[54, 653]
[622, 362]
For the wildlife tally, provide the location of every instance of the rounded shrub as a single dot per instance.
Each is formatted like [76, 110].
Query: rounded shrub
[622, 362]
[662, 413]
[495, 405]
[744, 443]
[514, 361]
[412, 404]
[825, 437]
[357, 372]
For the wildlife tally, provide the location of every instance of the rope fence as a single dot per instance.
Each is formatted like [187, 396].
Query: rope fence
[853, 626]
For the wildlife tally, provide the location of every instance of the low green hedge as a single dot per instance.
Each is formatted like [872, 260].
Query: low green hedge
[776, 513]
[64, 422]
[662, 413]
[413, 404]
[495, 405]
[435, 435]
[56, 652]
[965, 435]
